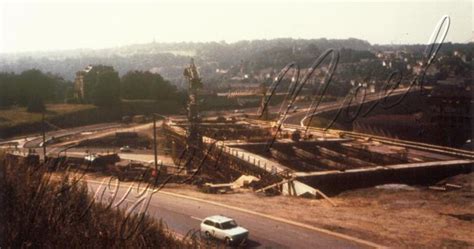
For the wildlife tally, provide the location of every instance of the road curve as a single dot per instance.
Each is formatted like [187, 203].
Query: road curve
[183, 215]
[36, 141]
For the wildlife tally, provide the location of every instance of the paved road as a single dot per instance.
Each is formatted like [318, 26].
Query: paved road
[182, 215]
[296, 118]
[303, 107]
[36, 141]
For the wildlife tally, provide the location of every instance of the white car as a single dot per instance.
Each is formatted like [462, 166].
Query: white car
[224, 228]
[125, 149]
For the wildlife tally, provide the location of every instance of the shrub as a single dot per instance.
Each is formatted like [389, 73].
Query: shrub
[36, 105]
[43, 212]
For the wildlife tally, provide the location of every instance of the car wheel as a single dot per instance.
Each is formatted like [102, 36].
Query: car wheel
[227, 241]
[207, 234]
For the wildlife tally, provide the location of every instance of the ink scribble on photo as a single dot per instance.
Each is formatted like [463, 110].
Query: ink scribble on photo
[236, 124]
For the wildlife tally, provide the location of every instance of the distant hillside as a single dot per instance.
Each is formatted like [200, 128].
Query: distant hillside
[167, 58]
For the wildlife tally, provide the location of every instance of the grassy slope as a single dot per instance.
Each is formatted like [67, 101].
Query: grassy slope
[42, 212]
[18, 115]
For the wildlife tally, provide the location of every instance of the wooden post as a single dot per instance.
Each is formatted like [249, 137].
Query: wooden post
[154, 143]
[43, 131]
[325, 197]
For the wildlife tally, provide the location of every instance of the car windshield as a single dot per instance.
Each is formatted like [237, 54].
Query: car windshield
[228, 225]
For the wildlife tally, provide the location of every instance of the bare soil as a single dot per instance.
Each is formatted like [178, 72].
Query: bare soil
[397, 218]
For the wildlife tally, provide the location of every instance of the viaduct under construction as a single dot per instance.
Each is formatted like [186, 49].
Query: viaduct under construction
[321, 162]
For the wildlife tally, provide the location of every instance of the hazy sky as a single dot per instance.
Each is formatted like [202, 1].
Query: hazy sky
[53, 25]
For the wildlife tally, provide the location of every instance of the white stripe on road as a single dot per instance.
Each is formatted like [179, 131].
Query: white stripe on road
[196, 218]
[275, 218]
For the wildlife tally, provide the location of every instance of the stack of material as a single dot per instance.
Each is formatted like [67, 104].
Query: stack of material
[244, 181]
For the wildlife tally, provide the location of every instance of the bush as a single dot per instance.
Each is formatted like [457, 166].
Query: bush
[43, 212]
[36, 104]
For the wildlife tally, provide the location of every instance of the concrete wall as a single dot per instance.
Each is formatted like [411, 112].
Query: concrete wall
[335, 183]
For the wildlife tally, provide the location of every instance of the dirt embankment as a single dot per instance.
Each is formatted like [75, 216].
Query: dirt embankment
[43, 212]
[406, 217]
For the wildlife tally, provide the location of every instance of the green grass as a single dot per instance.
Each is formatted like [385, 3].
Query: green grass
[18, 115]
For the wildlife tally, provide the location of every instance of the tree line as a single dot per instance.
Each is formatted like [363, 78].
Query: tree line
[102, 87]
[31, 89]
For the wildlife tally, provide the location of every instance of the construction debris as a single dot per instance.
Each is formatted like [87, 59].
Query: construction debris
[455, 186]
[395, 186]
[437, 188]
[244, 181]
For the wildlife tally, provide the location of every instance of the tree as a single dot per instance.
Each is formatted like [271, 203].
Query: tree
[102, 86]
[36, 104]
[451, 65]
[146, 85]
[107, 89]
[35, 84]
[7, 89]
[30, 86]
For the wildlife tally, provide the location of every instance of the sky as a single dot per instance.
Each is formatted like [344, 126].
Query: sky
[46, 25]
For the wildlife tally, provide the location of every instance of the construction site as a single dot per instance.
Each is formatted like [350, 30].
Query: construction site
[364, 185]
[282, 156]
[293, 160]
[326, 162]
[358, 183]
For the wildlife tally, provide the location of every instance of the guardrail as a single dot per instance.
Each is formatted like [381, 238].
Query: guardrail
[248, 157]
[405, 143]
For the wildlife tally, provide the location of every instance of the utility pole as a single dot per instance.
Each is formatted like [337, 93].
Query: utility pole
[43, 131]
[154, 142]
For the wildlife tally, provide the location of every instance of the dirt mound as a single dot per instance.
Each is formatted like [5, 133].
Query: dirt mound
[464, 180]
